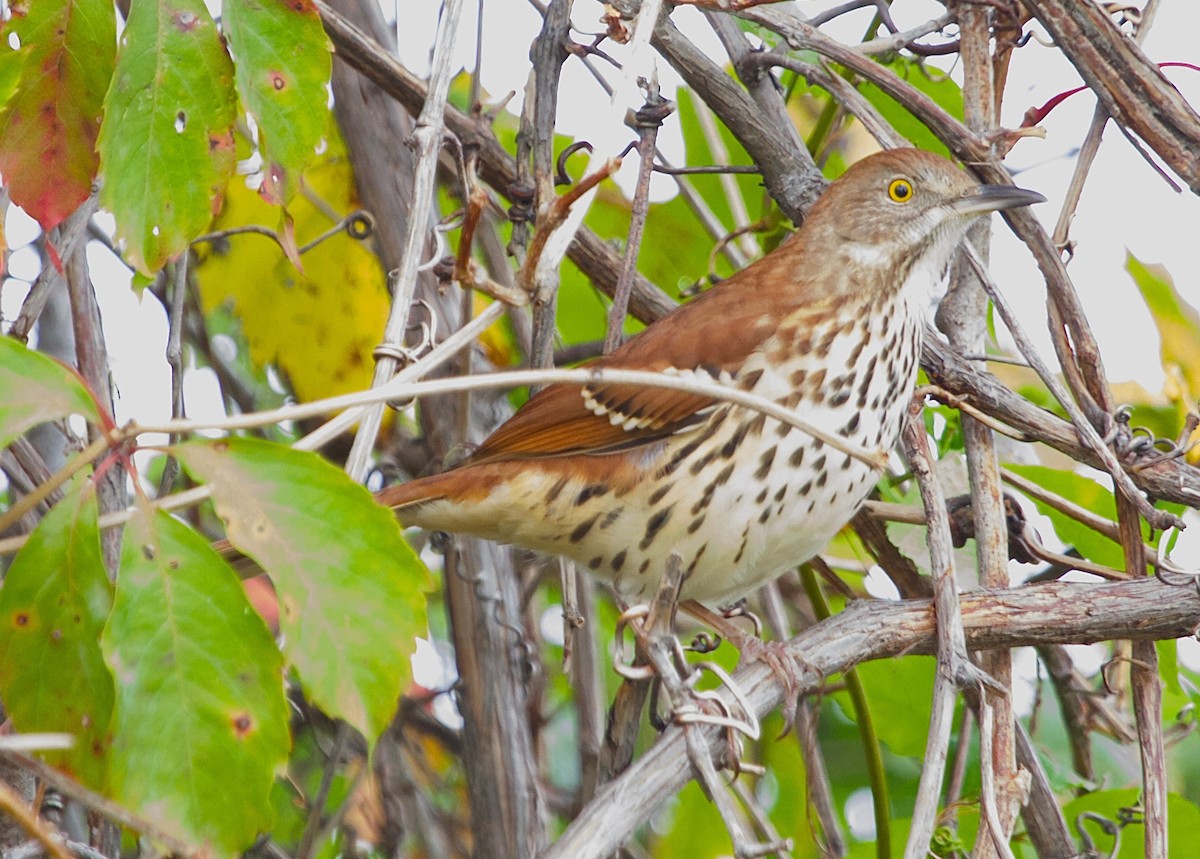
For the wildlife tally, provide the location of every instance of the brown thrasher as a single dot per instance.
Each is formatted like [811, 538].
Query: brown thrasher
[617, 477]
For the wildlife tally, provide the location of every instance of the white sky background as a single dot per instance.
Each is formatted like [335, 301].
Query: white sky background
[1126, 205]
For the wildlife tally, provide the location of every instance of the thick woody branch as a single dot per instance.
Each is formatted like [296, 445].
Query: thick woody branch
[1130, 87]
[1058, 613]
[1169, 479]
[788, 171]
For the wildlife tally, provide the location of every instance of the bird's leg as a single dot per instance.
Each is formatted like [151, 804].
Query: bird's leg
[660, 657]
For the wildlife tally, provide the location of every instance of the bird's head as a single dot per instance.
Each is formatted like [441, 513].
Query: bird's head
[904, 207]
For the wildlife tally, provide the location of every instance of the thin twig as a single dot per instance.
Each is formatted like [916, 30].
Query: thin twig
[648, 120]
[953, 664]
[1087, 433]
[427, 139]
[97, 803]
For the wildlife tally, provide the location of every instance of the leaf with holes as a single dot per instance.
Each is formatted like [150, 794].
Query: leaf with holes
[200, 724]
[283, 64]
[35, 389]
[63, 51]
[166, 145]
[53, 606]
[351, 590]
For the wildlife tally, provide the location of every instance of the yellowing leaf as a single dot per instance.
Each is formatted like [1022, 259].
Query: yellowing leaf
[318, 326]
[1178, 326]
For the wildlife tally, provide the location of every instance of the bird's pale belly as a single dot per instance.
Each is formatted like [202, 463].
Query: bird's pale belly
[732, 535]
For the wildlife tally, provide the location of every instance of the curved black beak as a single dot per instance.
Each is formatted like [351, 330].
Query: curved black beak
[993, 198]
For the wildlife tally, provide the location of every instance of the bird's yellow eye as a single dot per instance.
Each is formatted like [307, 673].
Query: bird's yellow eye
[900, 190]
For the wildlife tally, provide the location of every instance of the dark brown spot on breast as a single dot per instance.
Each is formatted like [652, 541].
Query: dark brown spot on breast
[581, 530]
[556, 490]
[735, 440]
[742, 549]
[594, 563]
[764, 463]
[618, 561]
[589, 492]
[723, 477]
[781, 492]
[825, 343]
[610, 517]
[840, 398]
[797, 457]
[699, 554]
[695, 524]
[798, 378]
[749, 380]
[654, 524]
[856, 353]
[701, 463]
[680, 455]
[644, 565]
[658, 494]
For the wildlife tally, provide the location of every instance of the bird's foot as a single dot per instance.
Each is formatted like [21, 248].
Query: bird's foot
[792, 674]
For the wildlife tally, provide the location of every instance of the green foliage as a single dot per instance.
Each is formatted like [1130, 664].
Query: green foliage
[1086, 493]
[1119, 809]
[200, 722]
[53, 606]
[937, 85]
[893, 686]
[35, 389]
[282, 73]
[292, 511]
[173, 688]
[166, 143]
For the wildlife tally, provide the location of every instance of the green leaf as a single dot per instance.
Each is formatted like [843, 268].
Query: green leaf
[200, 725]
[49, 125]
[893, 686]
[283, 65]
[1086, 493]
[1183, 822]
[53, 606]
[933, 83]
[351, 590]
[690, 827]
[35, 388]
[1178, 326]
[166, 145]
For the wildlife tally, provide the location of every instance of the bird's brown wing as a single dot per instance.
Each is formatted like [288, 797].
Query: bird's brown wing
[565, 419]
[712, 334]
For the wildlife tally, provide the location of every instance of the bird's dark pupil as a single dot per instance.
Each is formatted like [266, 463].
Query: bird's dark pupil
[901, 190]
